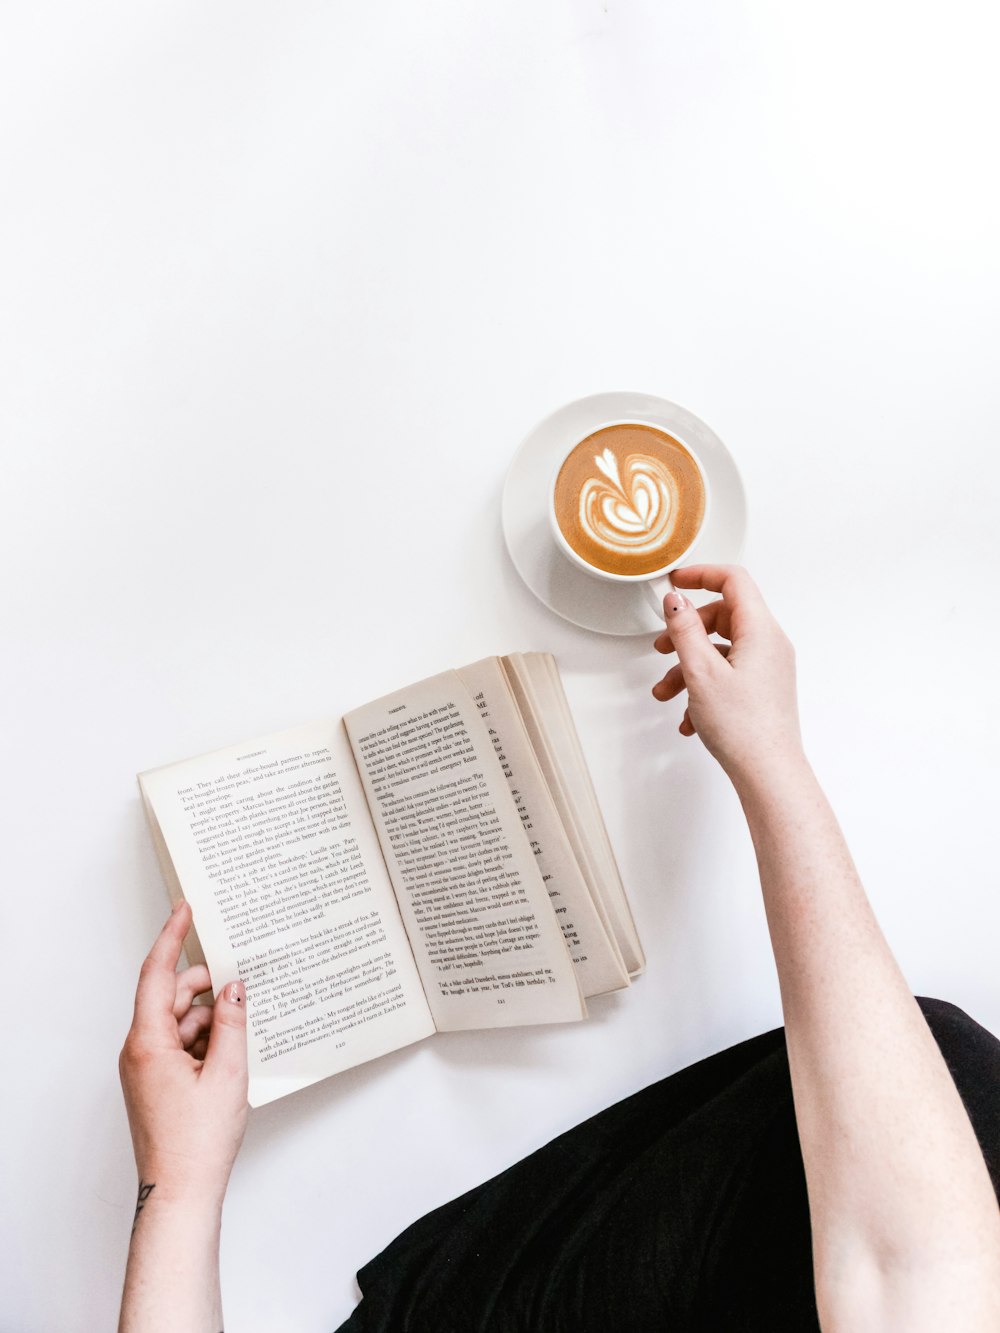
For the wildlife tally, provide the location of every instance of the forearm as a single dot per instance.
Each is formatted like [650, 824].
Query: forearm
[895, 1176]
[172, 1276]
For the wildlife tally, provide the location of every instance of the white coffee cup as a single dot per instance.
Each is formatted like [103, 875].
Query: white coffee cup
[657, 582]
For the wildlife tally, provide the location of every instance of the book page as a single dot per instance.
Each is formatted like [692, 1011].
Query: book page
[274, 848]
[535, 681]
[598, 962]
[483, 932]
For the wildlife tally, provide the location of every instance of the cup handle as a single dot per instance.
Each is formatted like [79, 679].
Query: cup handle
[655, 590]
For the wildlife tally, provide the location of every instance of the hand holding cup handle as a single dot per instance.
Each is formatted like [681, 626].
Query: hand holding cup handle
[655, 590]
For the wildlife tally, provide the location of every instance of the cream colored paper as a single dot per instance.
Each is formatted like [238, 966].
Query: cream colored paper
[486, 940]
[275, 849]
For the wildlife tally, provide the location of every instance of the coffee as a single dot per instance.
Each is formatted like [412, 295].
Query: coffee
[629, 499]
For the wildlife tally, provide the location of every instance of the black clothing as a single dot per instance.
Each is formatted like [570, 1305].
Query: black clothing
[682, 1208]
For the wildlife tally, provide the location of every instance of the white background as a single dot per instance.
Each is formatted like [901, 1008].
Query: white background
[283, 287]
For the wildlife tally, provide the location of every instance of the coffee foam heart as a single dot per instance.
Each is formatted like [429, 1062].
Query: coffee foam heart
[629, 508]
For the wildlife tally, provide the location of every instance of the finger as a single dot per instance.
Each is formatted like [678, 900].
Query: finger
[199, 1049]
[673, 682]
[195, 1023]
[191, 982]
[670, 686]
[687, 633]
[687, 727]
[731, 580]
[715, 617]
[226, 1058]
[166, 948]
[154, 996]
[746, 613]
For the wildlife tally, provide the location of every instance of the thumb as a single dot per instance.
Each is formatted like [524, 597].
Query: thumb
[227, 1041]
[687, 634]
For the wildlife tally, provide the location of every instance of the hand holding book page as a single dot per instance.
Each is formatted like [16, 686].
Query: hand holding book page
[275, 850]
[435, 861]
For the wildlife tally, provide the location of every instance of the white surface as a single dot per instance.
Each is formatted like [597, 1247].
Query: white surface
[582, 598]
[283, 288]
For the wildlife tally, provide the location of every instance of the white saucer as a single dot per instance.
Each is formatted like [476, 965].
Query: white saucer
[589, 602]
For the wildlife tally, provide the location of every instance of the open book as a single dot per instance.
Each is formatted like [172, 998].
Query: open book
[433, 861]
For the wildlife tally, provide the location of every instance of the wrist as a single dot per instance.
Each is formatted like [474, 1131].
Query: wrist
[182, 1189]
[769, 771]
[194, 1223]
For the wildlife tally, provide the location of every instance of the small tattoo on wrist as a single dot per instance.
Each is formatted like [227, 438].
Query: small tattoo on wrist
[144, 1192]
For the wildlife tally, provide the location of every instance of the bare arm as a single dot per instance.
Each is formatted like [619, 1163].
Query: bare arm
[184, 1075]
[906, 1229]
[172, 1276]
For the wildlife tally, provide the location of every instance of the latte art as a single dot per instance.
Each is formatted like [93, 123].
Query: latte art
[629, 499]
[633, 508]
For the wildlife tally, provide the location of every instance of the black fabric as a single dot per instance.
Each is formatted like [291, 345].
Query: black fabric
[682, 1208]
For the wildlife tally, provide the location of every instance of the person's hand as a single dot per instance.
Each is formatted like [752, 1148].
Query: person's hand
[184, 1073]
[741, 695]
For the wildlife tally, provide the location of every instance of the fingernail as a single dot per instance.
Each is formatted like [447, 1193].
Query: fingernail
[675, 601]
[235, 993]
[177, 906]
